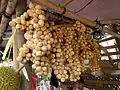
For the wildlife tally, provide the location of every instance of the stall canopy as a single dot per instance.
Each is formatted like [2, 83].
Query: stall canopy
[94, 9]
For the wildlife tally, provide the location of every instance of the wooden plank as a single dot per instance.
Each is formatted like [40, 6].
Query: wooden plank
[109, 47]
[103, 82]
[111, 53]
[95, 87]
[109, 21]
[110, 59]
[116, 60]
[105, 63]
[106, 39]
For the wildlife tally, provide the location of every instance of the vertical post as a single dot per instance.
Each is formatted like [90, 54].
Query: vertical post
[25, 84]
[3, 4]
[15, 49]
[63, 87]
[6, 18]
[51, 87]
[118, 42]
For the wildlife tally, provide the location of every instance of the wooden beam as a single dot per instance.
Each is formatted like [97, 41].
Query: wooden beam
[3, 5]
[106, 39]
[103, 82]
[116, 60]
[109, 21]
[110, 59]
[109, 47]
[106, 30]
[9, 11]
[95, 87]
[71, 15]
[15, 49]
[91, 86]
[3, 25]
[111, 53]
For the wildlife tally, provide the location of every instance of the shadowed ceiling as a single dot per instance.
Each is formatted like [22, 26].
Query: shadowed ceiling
[94, 9]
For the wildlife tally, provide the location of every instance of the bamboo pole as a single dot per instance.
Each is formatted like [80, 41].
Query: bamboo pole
[15, 52]
[25, 84]
[3, 5]
[9, 11]
[109, 21]
[71, 15]
[3, 25]
[15, 49]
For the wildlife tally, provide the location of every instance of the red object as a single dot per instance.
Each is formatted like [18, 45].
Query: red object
[34, 78]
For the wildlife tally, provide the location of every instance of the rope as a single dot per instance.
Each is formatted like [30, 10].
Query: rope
[7, 15]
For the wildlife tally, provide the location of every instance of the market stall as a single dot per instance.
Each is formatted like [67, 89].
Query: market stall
[54, 45]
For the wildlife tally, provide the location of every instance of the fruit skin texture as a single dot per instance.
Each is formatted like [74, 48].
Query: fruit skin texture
[9, 79]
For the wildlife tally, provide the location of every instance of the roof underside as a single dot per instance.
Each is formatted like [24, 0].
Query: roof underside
[94, 9]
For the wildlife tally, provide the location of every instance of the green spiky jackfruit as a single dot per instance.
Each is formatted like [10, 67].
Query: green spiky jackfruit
[9, 79]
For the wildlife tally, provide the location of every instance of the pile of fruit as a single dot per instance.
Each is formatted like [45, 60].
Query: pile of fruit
[62, 49]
